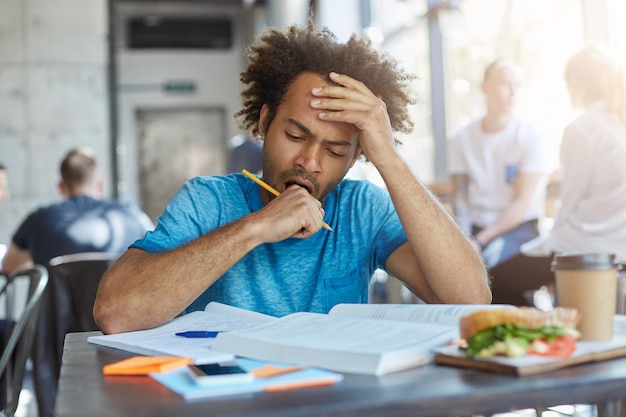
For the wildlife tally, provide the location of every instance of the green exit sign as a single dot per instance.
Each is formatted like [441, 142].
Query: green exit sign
[179, 87]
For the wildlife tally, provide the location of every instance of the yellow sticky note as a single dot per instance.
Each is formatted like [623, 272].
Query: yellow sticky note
[269, 371]
[144, 365]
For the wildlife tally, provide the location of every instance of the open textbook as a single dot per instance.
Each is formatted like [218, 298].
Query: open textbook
[371, 339]
[355, 338]
[162, 340]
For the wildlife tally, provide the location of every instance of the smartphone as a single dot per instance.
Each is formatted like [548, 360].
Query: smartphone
[219, 374]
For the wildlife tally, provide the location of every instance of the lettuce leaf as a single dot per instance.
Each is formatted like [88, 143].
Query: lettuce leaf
[509, 339]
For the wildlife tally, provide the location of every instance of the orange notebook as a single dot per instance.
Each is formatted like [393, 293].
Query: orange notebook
[144, 365]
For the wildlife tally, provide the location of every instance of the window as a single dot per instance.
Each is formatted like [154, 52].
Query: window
[617, 29]
[401, 30]
[539, 34]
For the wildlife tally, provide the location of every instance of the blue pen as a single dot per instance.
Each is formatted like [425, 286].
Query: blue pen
[197, 334]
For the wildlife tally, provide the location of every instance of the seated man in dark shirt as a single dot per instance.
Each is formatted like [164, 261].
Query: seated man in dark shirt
[83, 222]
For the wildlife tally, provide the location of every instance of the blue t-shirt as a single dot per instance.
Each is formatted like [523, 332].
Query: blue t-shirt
[293, 275]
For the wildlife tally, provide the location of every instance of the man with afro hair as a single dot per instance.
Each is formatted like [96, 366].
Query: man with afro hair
[320, 105]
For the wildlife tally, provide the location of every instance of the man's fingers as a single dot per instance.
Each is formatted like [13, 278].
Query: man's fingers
[351, 96]
[350, 83]
[348, 87]
[339, 105]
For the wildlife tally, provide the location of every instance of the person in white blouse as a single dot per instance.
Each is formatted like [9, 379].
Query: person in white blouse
[591, 212]
[592, 204]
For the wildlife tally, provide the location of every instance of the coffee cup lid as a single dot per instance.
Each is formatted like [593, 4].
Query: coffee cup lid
[575, 260]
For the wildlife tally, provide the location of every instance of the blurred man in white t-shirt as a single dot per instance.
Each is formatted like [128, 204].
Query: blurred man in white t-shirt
[499, 170]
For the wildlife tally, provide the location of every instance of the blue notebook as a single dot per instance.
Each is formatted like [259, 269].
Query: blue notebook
[180, 381]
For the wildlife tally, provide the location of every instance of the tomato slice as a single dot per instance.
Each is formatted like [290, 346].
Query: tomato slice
[562, 347]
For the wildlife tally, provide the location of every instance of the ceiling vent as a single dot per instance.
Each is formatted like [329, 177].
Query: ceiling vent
[157, 32]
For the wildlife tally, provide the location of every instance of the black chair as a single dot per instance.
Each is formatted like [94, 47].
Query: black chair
[66, 307]
[17, 347]
[515, 280]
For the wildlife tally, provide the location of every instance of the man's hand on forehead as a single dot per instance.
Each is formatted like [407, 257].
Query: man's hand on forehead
[353, 102]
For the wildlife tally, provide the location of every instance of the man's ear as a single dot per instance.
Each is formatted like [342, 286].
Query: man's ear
[483, 87]
[99, 188]
[262, 117]
[63, 189]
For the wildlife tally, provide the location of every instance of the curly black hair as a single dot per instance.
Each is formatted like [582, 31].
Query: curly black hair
[277, 57]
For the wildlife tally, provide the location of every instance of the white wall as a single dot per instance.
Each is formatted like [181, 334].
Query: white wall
[53, 96]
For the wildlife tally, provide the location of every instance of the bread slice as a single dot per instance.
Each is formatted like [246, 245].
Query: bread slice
[529, 317]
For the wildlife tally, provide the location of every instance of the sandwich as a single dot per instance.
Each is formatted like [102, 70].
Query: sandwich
[520, 331]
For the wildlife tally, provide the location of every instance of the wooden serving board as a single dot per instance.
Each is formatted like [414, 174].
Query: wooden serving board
[529, 364]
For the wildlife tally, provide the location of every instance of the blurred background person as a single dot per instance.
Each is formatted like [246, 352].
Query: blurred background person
[591, 214]
[4, 195]
[4, 184]
[83, 222]
[245, 152]
[499, 170]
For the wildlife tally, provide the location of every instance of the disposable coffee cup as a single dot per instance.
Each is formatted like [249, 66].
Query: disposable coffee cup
[588, 283]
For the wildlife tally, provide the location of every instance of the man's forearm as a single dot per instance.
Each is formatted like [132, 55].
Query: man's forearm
[450, 265]
[527, 187]
[508, 220]
[16, 259]
[164, 284]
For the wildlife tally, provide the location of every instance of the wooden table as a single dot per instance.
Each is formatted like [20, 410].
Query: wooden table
[426, 391]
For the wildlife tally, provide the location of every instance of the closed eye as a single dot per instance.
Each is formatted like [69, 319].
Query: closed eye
[334, 152]
[293, 137]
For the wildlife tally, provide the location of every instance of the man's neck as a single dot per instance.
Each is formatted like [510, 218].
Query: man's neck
[82, 191]
[493, 122]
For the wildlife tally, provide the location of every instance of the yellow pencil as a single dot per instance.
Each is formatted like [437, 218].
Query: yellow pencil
[272, 190]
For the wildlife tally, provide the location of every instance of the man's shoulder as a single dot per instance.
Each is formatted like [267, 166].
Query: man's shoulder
[218, 182]
[526, 129]
[47, 213]
[126, 209]
[468, 131]
[35, 214]
[228, 189]
[527, 138]
[51, 209]
[116, 204]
